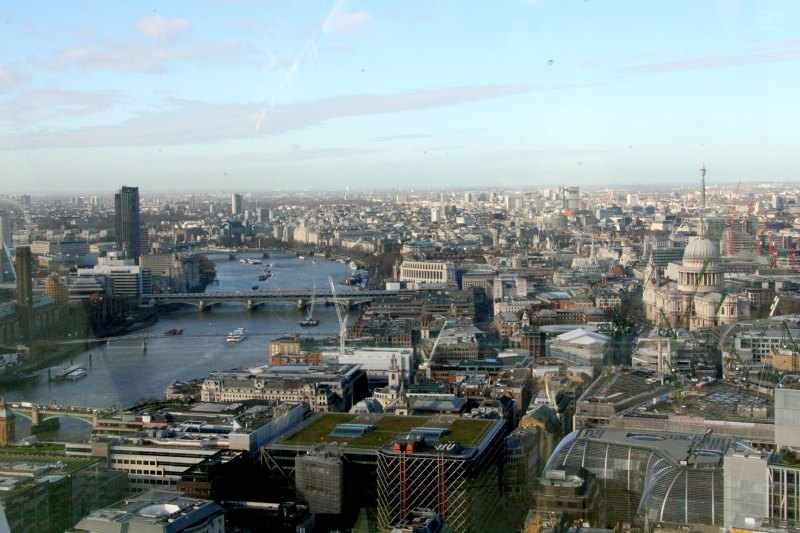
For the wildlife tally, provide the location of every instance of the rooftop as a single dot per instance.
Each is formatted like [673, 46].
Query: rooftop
[618, 386]
[152, 508]
[466, 432]
[716, 401]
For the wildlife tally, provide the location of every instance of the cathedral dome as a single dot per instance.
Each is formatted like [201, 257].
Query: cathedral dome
[701, 249]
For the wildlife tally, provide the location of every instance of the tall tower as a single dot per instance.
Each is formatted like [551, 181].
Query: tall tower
[395, 378]
[702, 231]
[6, 268]
[6, 230]
[236, 204]
[126, 222]
[24, 268]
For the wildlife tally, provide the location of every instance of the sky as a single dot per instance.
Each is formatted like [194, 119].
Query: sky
[258, 95]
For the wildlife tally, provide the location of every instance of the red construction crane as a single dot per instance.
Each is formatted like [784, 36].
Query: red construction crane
[772, 250]
[791, 253]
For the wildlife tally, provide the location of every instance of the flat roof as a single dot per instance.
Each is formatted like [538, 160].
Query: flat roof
[467, 432]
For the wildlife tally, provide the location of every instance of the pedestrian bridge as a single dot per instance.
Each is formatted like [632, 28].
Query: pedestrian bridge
[258, 298]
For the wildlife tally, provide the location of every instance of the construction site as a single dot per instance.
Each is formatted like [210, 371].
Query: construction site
[394, 466]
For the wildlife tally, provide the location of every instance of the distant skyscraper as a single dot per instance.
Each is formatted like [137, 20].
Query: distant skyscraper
[777, 202]
[6, 230]
[24, 267]
[236, 204]
[570, 198]
[126, 222]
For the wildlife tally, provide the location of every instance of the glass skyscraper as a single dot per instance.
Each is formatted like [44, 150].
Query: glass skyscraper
[126, 222]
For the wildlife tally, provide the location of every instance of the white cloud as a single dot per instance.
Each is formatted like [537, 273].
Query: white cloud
[137, 58]
[162, 28]
[345, 21]
[30, 109]
[190, 122]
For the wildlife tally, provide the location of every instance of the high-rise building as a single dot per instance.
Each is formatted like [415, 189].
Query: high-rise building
[236, 204]
[6, 230]
[570, 198]
[24, 268]
[6, 241]
[126, 222]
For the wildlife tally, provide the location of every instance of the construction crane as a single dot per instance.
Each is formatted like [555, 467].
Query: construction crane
[772, 251]
[436, 342]
[791, 254]
[341, 314]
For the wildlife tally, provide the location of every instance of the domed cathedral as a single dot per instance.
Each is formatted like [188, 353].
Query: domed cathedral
[699, 298]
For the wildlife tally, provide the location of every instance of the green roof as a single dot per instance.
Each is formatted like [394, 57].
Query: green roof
[465, 431]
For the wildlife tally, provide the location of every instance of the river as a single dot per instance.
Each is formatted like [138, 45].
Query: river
[121, 373]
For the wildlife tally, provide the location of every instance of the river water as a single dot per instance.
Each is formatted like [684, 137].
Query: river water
[121, 373]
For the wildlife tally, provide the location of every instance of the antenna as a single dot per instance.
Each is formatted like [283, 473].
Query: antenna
[703, 201]
[703, 178]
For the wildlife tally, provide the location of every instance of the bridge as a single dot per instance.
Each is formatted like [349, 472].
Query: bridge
[253, 299]
[39, 414]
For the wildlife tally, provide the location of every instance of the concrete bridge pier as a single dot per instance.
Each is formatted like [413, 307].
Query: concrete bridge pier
[202, 306]
[39, 425]
[302, 304]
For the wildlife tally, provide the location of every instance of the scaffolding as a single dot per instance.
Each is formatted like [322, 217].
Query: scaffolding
[319, 479]
[463, 485]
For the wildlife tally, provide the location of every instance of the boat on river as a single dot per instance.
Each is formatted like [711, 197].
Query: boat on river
[236, 336]
[71, 373]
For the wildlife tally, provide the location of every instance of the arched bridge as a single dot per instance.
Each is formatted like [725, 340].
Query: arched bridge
[39, 414]
[257, 298]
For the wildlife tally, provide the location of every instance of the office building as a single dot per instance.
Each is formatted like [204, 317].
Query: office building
[24, 269]
[126, 222]
[445, 463]
[427, 272]
[431, 468]
[236, 204]
[186, 438]
[156, 511]
[570, 198]
[6, 231]
[324, 388]
[787, 416]
[44, 492]
[127, 280]
[173, 272]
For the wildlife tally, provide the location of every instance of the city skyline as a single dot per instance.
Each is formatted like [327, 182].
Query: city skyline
[252, 96]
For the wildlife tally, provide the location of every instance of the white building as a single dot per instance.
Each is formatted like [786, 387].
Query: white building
[427, 272]
[582, 343]
[127, 280]
[375, 361]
